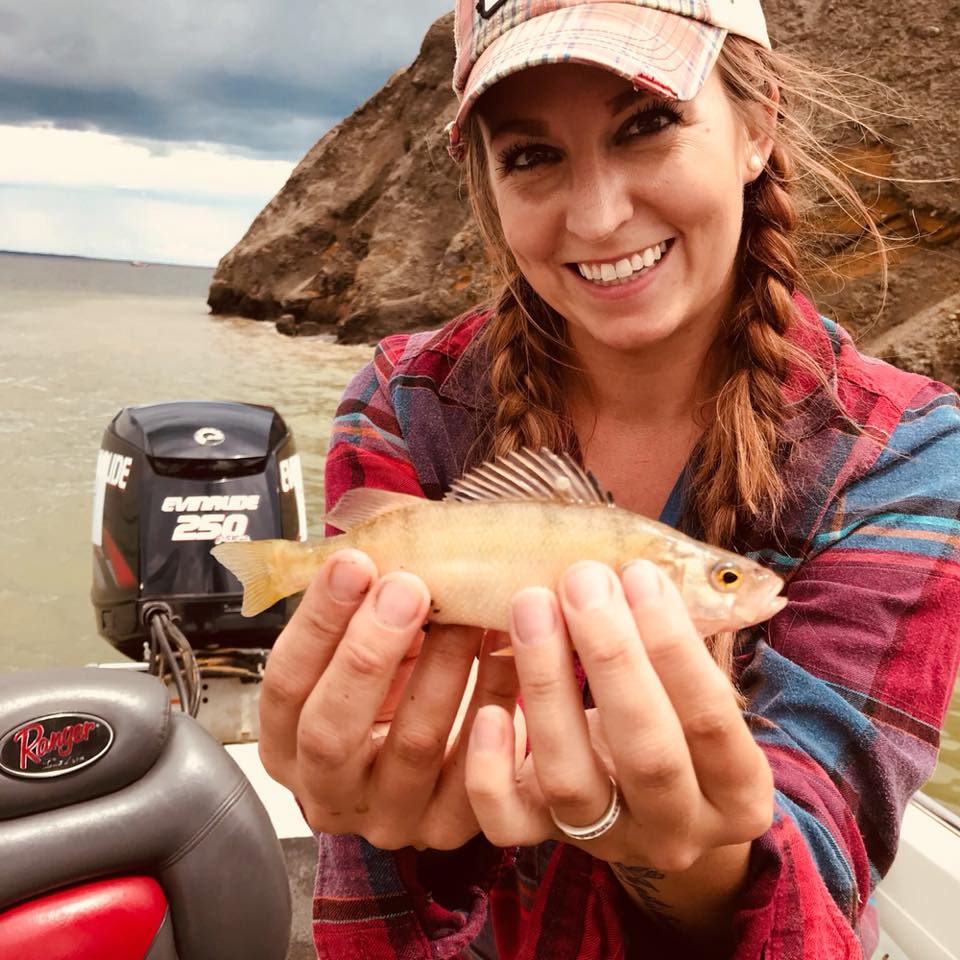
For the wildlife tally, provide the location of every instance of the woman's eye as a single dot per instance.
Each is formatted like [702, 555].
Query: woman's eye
[650, 120]
[524, 157]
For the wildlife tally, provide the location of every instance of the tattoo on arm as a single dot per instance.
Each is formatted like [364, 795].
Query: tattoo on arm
[641, 884]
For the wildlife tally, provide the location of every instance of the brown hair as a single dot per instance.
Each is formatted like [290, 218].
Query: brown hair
[737, 485]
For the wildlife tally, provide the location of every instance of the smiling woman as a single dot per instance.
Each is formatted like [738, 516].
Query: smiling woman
[636, 169]
[568, 202]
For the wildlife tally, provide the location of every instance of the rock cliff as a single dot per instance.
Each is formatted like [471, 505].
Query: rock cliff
[371, 233]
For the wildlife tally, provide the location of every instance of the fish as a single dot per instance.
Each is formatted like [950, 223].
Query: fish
[513, 522]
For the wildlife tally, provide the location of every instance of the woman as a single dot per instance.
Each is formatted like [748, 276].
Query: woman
[632, 168]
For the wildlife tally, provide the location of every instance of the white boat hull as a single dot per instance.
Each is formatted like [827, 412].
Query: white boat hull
[919, 899]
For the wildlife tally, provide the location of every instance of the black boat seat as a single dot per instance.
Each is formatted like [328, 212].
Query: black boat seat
[127, 820]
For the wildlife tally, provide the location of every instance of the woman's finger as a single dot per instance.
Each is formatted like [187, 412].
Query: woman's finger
[506, 815]
[494, 684]
[730, 767]
[400, 680]
[334, 732]
[652, 762]
[449, 819]
[409, 762]
[574, 783]
[304, 649]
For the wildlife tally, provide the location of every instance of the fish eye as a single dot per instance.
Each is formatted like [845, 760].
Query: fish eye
[726, 576]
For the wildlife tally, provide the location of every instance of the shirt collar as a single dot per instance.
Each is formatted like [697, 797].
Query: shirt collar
[467, 383]
[808, 405]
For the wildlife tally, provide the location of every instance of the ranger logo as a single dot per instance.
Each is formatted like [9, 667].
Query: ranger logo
[53, 745]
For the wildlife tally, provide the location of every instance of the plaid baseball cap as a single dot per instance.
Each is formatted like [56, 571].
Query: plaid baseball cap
[667, 46]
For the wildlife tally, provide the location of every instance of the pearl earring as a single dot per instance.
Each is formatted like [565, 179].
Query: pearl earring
[755, 163]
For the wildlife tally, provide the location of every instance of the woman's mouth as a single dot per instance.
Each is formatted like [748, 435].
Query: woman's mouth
[625, 271]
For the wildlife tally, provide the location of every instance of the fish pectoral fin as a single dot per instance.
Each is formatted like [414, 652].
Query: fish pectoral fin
[362, 504]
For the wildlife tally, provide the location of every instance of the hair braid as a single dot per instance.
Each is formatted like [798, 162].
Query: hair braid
[738, 479]
[738, 483]
[524, 374]
[525, 338]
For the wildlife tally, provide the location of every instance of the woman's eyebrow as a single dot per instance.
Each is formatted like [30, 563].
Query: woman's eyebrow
[521, 125]
[537, 128]
[623, 100]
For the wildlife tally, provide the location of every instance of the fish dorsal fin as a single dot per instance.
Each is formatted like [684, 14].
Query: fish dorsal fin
[526, 474]
[360, 505]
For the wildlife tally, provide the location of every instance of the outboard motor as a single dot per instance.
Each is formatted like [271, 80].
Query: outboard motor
[173, 480]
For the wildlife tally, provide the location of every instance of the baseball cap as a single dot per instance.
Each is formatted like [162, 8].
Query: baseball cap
[666, 46]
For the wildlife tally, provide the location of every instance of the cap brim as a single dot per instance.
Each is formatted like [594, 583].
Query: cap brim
[664, 52]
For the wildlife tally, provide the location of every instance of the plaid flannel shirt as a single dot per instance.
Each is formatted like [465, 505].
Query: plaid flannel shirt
[846, 688]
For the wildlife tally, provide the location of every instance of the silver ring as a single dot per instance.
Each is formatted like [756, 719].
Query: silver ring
[599, 827]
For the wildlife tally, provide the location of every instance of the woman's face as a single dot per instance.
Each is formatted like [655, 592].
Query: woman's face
[594, 181]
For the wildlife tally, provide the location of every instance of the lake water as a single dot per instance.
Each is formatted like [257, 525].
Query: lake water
[80, 340]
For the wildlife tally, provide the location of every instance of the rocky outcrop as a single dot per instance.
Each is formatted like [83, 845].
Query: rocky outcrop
[371, 233]
[914, 49]
[927, 343]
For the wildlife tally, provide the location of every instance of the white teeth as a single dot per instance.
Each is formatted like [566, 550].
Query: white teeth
[624, 268]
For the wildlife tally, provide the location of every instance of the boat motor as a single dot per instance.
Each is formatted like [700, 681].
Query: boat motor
[172, 481]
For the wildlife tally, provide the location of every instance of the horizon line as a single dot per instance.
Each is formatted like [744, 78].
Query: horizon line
[80, 256]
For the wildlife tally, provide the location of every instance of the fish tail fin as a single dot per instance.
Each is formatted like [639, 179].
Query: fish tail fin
[263, 568]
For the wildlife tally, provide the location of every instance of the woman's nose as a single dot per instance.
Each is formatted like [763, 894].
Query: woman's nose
[598, 203]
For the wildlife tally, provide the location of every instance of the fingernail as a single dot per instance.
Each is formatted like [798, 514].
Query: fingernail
[641, 582]
[532, 615]
[588, 585]
[348, 581]
[487, 732]
[397, 604]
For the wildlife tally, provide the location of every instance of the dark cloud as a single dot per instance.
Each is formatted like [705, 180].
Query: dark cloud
[260, 116]
[267, 78]
[74, 108]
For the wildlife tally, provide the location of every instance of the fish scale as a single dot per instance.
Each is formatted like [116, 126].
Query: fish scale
[512, 545]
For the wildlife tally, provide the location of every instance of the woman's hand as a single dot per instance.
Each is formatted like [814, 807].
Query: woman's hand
[695, 787]
[352, 655]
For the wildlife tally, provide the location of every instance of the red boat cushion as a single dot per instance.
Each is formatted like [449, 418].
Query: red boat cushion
[116, 918]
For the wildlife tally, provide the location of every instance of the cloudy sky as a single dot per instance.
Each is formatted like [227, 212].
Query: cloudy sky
[158, 130]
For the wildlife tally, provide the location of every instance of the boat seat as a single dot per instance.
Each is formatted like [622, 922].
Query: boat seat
[124, 822]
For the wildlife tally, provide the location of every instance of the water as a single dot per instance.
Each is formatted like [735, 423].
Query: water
[79, 340]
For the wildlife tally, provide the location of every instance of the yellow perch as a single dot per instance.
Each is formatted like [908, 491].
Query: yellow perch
[513, 523]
